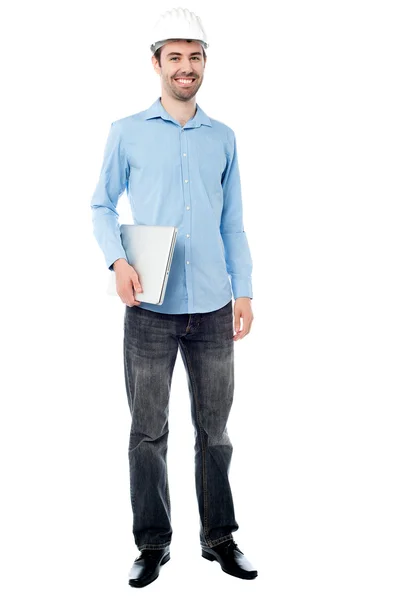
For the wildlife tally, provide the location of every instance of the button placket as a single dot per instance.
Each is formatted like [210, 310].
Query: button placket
[187, 214]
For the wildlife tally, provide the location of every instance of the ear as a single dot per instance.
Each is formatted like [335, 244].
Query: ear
[155, 64]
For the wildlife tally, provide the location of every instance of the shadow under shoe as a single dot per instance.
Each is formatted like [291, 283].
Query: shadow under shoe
[146, 567]
[231, 559]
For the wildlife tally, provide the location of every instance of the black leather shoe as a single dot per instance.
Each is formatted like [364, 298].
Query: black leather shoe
[146, 567]
[231, 559]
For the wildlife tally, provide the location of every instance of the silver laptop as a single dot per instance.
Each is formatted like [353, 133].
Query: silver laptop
[149, 249]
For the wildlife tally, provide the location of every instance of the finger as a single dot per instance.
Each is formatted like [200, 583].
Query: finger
[237, 323]
[238, 335]
[129, 299]
[137, 284]
[132, 293]
[131, 303]
[242, 333]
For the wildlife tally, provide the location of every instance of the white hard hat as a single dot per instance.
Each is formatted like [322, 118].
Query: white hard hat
[177, 24]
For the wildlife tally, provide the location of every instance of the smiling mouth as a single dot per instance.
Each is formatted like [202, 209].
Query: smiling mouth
[185, 81]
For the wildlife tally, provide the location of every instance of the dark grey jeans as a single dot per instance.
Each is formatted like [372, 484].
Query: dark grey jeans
[151, 342]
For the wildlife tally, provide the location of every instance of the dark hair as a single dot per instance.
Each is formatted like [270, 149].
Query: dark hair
[157, 53]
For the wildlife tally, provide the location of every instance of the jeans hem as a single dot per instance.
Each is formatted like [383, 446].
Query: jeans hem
[153, 546]
[218, 541]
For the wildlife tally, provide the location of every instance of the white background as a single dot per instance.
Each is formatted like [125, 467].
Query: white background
[311, 90]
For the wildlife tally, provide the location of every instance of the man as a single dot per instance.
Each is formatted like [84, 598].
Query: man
[179, 168]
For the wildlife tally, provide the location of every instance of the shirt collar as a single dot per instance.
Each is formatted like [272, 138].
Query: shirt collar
[157, 110]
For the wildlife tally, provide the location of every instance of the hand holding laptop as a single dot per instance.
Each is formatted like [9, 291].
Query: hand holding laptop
[149, 250]
[127, 282]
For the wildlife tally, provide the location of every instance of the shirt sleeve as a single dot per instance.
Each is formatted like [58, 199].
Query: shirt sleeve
[237, 252]
[112, 182]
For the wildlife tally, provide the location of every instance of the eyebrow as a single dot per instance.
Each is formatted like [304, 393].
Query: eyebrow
[180, 54]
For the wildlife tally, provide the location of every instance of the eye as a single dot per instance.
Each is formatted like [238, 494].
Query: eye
[173, 57]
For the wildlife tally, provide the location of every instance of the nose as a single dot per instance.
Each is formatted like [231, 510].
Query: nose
[186, 66]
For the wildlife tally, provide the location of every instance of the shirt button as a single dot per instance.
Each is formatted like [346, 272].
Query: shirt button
[187, 235]
[186, 181]
[188, 208]
[188, 262]
[184, 154]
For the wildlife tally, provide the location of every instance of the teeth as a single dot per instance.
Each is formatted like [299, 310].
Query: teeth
[185, 80]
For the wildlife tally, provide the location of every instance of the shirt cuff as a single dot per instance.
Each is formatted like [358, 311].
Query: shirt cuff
[112, 258]
[242, 286]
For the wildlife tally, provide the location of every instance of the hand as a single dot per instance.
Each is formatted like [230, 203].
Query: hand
[127, 282]
[242, 310]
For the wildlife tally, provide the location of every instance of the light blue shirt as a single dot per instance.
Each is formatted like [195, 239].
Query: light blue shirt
[185, 176]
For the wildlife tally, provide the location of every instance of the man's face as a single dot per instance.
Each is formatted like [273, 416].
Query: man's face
[181, 60]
